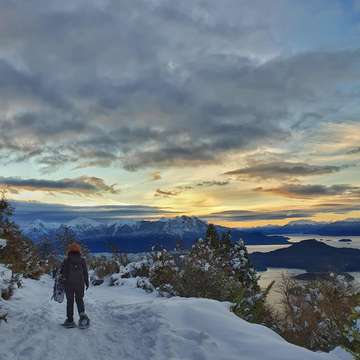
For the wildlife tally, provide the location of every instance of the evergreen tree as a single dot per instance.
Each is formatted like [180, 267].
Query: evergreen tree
[46, 248]
[65, 236]
[7, 226]
[20, 253]
[212, 237]
[163, 273]
[241, 267]
[226, 240]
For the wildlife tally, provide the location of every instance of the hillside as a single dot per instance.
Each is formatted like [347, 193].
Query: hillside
[129, 324]
[310, 255]
[140, 236]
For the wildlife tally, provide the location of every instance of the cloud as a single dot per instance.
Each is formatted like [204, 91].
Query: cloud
[212, 183]
[183, 188]
[155, 176]
[79, 186]
[142, 84]
[309, 191]
[29, 211]
[246, 215]
[166, 193]
[355, 150]
[284, 169]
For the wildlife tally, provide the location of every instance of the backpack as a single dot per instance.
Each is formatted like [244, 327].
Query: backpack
[75, 274]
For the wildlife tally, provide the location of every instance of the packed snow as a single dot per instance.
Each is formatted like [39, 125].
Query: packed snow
[128, 323]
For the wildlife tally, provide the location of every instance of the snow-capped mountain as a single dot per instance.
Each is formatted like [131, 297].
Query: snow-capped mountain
[348, 227]
[136, 236]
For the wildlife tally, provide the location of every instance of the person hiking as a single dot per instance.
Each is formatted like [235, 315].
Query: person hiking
[75, 277]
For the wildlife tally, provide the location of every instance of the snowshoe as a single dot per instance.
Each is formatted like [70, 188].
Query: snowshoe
[59, 288]
[69, 324]
[84, 321]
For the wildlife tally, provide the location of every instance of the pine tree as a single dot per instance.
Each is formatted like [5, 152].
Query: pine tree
[241, 267]
[226, 240]
[212, 237]
[20, 253]
[163, 273]
[46, 248]
[7, 226]
[65, 236]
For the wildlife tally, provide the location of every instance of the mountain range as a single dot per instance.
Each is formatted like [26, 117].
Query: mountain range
[140, 236]
[348, 227]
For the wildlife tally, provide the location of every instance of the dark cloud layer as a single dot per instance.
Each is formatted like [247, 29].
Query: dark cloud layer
[144, 83]
[30, 211]
[283, 169]
[81, 185]
[316, 190]
[245, 215]
[355, 150]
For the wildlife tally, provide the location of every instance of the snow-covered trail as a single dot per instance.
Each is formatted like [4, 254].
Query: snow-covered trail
[127, 323]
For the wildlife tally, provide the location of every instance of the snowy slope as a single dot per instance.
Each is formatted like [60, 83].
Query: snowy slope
[127, 324]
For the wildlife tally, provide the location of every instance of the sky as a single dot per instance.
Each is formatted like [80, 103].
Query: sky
[241, 112]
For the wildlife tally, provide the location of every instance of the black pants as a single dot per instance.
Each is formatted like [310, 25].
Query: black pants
[77, 293]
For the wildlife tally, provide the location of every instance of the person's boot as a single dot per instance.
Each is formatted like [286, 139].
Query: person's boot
[69, 324]
[84, 321]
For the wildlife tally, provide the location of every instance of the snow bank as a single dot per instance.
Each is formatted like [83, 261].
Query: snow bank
[127, 323]
[206, 329]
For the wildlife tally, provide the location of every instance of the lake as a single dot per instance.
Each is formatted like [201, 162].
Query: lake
[275, 274]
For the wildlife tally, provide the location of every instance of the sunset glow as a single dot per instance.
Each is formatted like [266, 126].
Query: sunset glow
[244, 114]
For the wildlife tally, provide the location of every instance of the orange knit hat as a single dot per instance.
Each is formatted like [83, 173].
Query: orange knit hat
[74, 247]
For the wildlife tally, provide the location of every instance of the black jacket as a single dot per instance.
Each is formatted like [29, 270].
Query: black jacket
[74, 271]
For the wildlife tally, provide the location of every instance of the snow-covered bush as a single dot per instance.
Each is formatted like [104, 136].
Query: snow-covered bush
[145, 284]
[139, 268]
[103, 266]
[321, 315]
[8, 282]
[164, 273]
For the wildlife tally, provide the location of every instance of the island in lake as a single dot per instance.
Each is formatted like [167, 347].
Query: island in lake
[345, 240]
[310, 255]
[311, 276]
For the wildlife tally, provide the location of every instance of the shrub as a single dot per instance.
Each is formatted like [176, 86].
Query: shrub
[320, 315]
[8, 282]
[138, 268]
[103, 266]
[253, 307]
[163, 272]
[145, 284]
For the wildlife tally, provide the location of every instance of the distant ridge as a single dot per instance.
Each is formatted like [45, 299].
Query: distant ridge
[311, 255]
[139, 236]
[348, 227]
